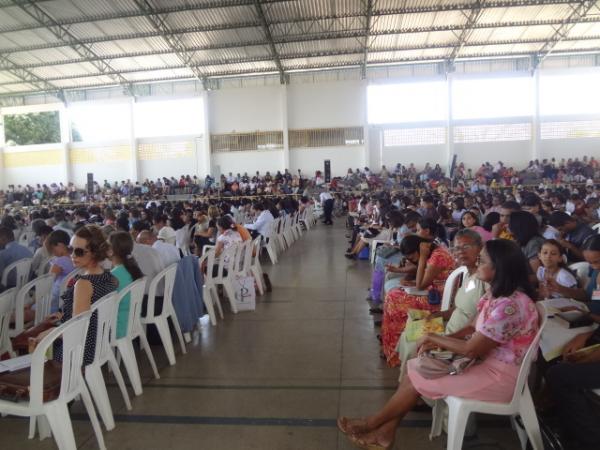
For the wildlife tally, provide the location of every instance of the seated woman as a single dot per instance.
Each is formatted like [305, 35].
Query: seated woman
[467, 246]
[125, 270]
[506, 325]
[434, 263]
[526, 231]
[470, 220]
[580, 372]
[380, 229]
[88, 250]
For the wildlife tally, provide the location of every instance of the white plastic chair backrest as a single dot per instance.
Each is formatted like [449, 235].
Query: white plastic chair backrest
[41, 288]
[168, 275]
[22, 269]
[65, 282]
[245, 256]
[227, 261]
[256, 243]
[136, 291]
[528, 358]
[26, 237]
[596, 227]
[582, 271]
[7, 299]
[73, 333]
[106, 308]
[208, 260]
[449, 286]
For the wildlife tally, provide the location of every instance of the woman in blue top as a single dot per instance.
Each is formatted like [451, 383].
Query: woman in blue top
[125, 270]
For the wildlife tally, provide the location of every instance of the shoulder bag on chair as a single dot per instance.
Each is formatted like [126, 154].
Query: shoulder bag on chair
[245, 293]
[14, 386]
[433, 364]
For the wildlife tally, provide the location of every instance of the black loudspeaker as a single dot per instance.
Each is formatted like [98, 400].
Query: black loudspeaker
[327, 171]
[452, 166]
[90, 183]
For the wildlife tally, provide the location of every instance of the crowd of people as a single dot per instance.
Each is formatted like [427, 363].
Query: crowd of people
[516, 248]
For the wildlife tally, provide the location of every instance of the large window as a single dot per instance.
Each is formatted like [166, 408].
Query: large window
[407, 102]
[94, 122]
[570, 94]
[180, 117]
[492, 97]
[32, 128]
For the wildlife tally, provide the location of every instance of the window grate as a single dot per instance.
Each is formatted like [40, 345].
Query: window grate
[239, 142]
[469, 134]
[399, 137]
[326, 137]
[570, 130]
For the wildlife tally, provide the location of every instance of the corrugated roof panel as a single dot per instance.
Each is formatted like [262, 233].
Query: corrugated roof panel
[7, 77]
[206, 57]
[585, 29]
[26, 38]
[390, 57]
[114, 27]
[14, 16]
[498, 49]
[223, 37]
[578, 45]
[412, 39]
[324, 61]
[44, 56]
[396, 22]
[67, 9]
[71, 70]
[211, 17]
[240, 68]
[11, 88]
[280, 31]
[130, 46]
[512, 33]
[312, 8]
[295, 48]
[159, 74]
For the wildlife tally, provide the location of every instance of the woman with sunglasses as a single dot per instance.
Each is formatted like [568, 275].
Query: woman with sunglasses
[506, 324]
[88, 250]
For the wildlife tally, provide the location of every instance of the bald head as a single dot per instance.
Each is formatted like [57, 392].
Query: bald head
[146, 237]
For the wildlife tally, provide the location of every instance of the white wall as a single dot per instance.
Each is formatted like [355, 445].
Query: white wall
[102, 165]
[251, 161]
[418, 154]
[569, 148]
[309, 160]
[31, 175]
[516, 154]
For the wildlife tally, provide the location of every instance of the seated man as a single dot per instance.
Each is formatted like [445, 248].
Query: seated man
[572, 234]
[168, 253]
[263, 221]
[10, 252]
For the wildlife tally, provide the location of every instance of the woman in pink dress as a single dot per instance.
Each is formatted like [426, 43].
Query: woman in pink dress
[505, 326]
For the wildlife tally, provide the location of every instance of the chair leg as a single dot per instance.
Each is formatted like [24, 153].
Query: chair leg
[148, 350]
[258, 279]
[43, 427]
[272, 253]
[114, 367]
[165, 337]
[177, 327]
[230, 294]
[530, 421]
[89, 406]
[133, 372]
[437, 419]
[59, 420]
[97, 388]
[209, 305]
[457, 422]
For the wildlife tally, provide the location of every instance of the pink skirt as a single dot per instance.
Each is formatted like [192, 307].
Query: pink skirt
[489, 381]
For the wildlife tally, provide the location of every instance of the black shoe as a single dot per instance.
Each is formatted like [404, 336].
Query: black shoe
[379, 338]
[350, 256]
[378, 323]
[376, 310]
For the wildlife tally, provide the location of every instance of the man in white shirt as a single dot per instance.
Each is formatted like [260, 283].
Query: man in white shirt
[262, 223]
[168, 253]
[327, 202]
[149, 261]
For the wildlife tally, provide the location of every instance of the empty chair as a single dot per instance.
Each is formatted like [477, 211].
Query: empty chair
[7, 299]
[21, 270]
[255, 266]
[106, 308]
[56, 412]
[37, 292]
[211, 299]
[161, 321]
[134, 330]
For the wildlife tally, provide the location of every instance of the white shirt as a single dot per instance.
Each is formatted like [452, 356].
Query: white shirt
[262, 223]
[325, 196]
[148, 260]
[168, 253]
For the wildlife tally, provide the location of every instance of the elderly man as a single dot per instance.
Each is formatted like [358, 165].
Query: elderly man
[148, 259]
[10, 252]
[168, 253]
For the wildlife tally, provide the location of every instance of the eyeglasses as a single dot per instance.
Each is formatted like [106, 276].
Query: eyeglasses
[78, 252]
[462, 248]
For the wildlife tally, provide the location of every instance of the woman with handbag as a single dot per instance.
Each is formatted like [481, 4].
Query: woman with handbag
[497, 341]
[434, 263]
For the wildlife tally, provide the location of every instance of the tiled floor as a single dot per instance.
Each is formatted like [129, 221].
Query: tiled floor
[275, 378]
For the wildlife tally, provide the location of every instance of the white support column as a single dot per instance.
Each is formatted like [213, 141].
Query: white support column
[204, 155]
[284, 128]
[2, 143]
[449, 125]
[535, 122]
[134, 163]
[65, 142]
[367, 152]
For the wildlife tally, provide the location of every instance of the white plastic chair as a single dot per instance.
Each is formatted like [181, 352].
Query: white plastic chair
[38, 292]
[56, 412]
[22, 269]
[270, 241]
[134, 330]
[374, 245]
[582, 272]
[65, 282]
[25, 238]
[255, 266]
[449, 287]
[106, 309]
[596, 227]
[210, 300]
[161, 321]
[521, 404]
[6, 308]
[225, 273]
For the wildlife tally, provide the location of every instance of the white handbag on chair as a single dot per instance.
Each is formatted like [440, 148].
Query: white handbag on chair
[245, 293]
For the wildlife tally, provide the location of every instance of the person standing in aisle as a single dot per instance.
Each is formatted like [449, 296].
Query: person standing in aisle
[327, 203]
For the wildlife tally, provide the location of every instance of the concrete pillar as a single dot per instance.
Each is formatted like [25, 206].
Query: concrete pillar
[65, 142]
[535, 122]
[134, 169]
[284, 128]
[367, 152]
[204, 155]
[449, 126]
[2, 143]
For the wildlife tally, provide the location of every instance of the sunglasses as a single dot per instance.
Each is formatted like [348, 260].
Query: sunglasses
[78, 252]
